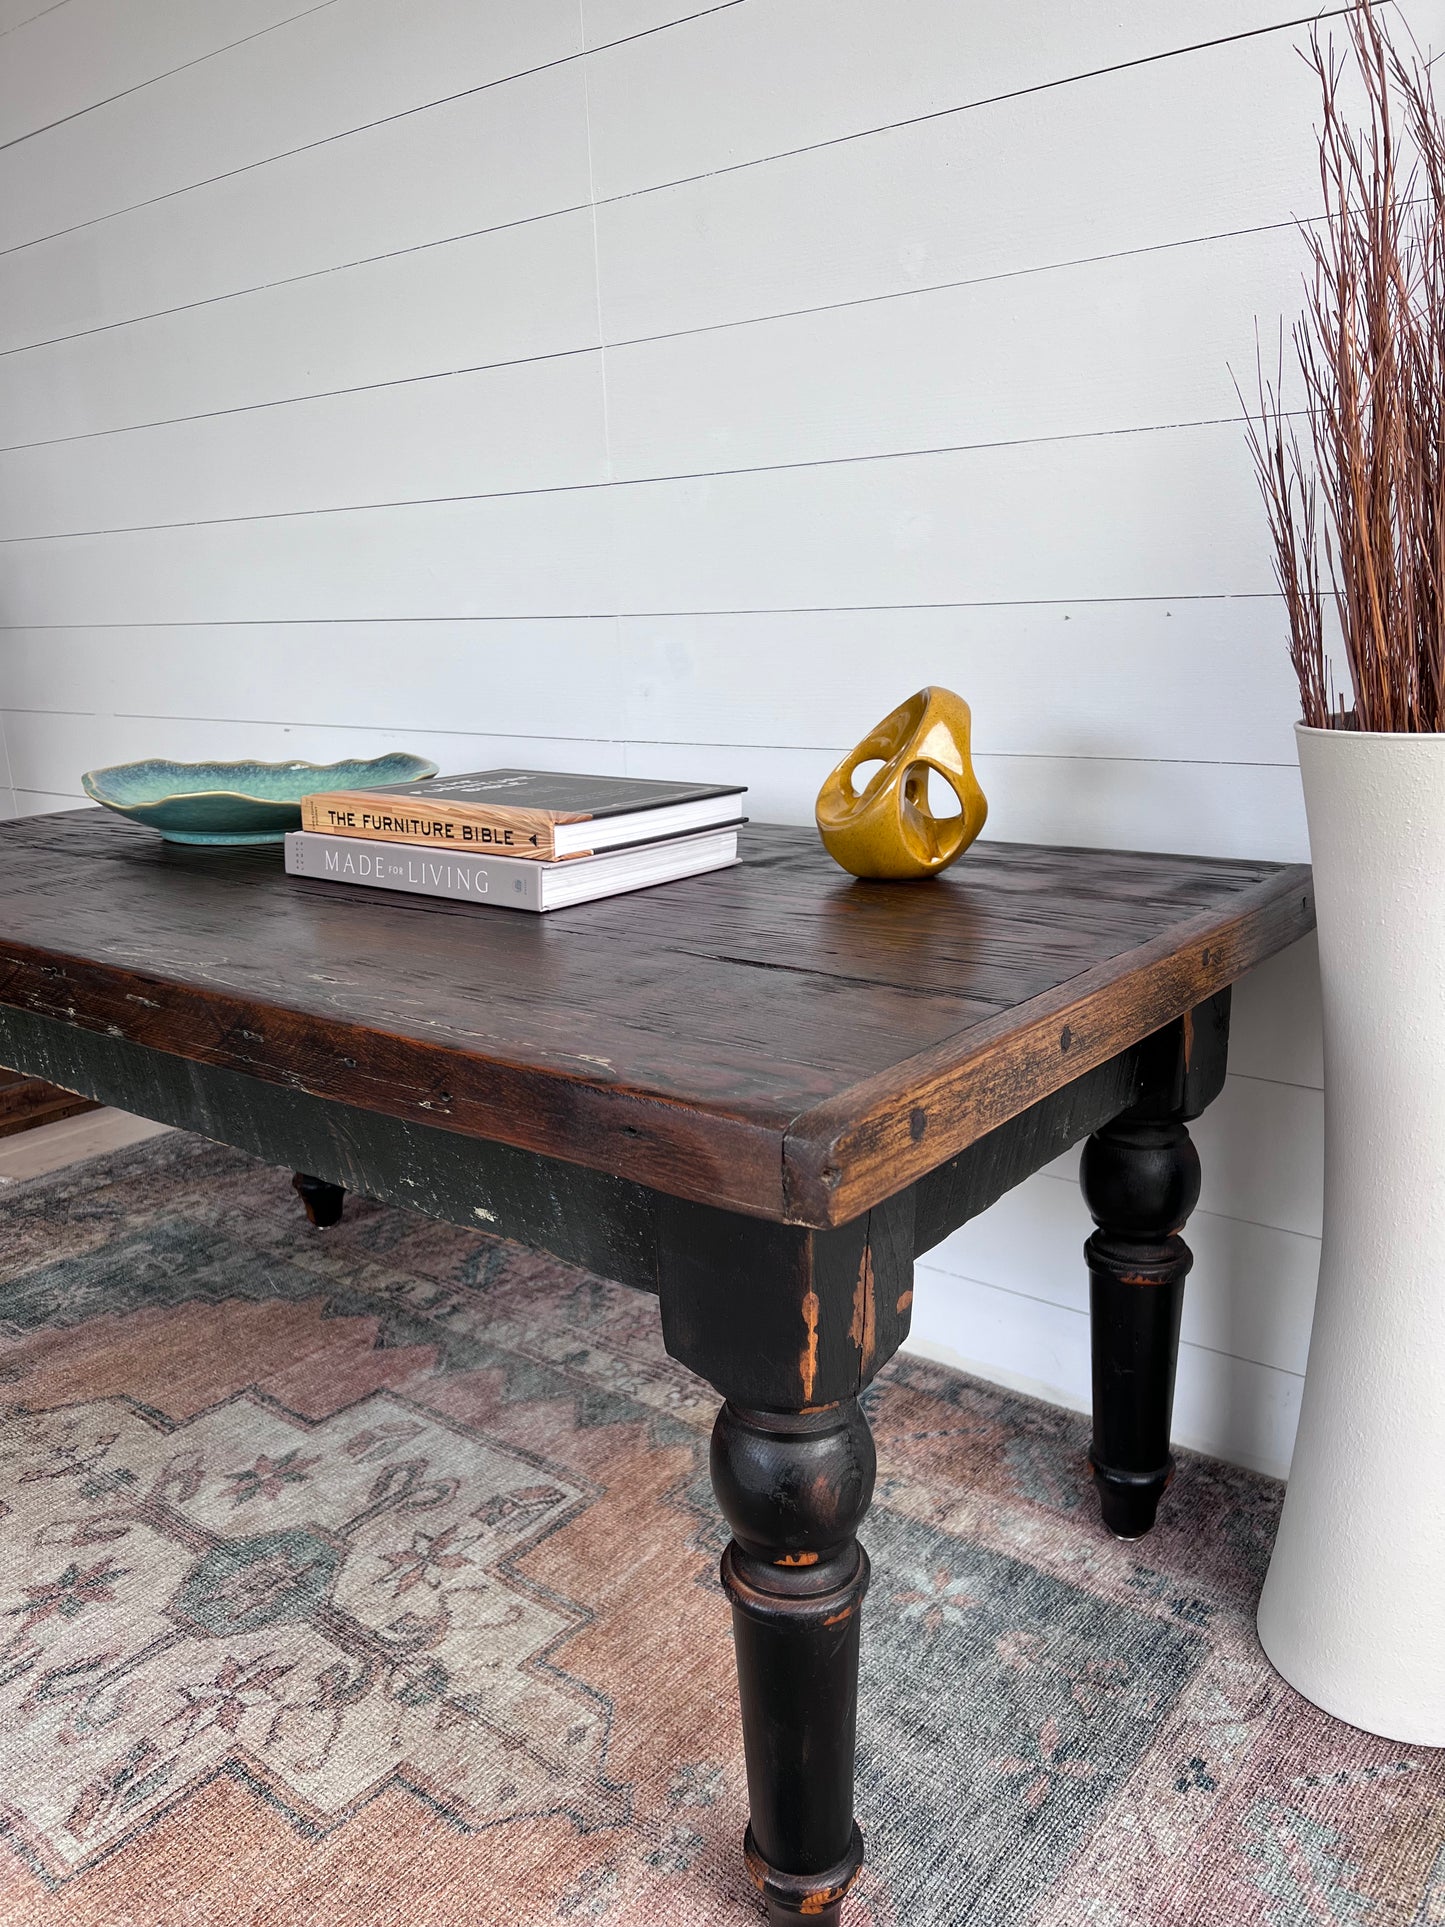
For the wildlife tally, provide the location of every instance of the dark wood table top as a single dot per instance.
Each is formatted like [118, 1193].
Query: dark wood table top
[776, 1038]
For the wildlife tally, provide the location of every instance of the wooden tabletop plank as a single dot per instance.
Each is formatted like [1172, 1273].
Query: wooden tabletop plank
[766, 1037]
[844, 1156]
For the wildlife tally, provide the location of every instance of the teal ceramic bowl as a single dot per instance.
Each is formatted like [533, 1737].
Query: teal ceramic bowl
[235, 802]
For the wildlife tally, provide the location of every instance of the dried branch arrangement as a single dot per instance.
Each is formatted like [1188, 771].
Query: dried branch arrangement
[1364, 480]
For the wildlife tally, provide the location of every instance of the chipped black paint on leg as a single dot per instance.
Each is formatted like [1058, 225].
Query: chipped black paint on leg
[789, 1324]
[794, 1488]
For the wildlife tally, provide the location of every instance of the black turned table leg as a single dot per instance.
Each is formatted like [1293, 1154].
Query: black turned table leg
[323, 1201]
[1140, 1178]
[794, 1488]
[790, 1325]
[1141, 1181]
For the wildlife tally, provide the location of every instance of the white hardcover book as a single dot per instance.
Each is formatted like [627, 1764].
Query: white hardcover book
[506, 882]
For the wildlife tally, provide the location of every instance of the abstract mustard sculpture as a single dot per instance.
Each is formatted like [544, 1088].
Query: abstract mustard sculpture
[886, 829]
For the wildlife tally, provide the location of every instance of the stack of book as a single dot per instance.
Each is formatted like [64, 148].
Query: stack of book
[523, 838]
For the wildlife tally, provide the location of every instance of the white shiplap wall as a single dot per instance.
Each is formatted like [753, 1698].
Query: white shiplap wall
[658, 386]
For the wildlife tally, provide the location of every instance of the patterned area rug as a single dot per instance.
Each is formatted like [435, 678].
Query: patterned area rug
[367, 1579]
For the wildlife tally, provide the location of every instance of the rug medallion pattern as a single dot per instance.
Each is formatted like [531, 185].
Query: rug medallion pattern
[321, 1600]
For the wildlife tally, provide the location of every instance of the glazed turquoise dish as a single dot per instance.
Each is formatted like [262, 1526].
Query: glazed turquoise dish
[236, 802]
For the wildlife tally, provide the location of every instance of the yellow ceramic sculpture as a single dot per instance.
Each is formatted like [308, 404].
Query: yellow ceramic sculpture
[886, 829]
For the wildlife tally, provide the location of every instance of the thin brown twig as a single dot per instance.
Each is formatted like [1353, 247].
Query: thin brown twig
[1359, 499]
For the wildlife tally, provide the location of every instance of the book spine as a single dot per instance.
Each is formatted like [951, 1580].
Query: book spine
[460, 827]
[423, 872]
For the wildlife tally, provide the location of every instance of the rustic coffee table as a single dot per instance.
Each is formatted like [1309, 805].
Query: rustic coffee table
[760, 1094]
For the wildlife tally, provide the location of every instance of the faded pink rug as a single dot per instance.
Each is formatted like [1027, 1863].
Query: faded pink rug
[367, 1579]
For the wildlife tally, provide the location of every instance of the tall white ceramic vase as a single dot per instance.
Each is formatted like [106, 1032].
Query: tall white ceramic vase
[1353, 1610]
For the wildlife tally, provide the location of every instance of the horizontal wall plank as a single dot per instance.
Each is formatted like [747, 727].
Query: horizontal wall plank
[1250, 1294]
[324, 74]
[50, 753]
[777, 75]
[410, 678]
[1040, 1348]
[1010, 187]
[609, 20]
[517, 293]
[1261, 1147]
[814, 680]
[917, 205]
[1275, 1029]
[1200, 809]
[1126, 343]
[1236, 1410]
[538, 425]
[69, 58]
[1044, 678]
[15, 13]
[1224, 1406]
[1162, 513]
[509, 153]
[518, 554]
[346, 65]
[44, 802]
[1111, 516]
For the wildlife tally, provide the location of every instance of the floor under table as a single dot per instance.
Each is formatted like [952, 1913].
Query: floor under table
[419, 1621]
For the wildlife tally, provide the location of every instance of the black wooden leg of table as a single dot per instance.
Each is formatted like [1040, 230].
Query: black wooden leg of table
[789, 1325]
[323, 1201]
[1140, 1178]
[794, 1488]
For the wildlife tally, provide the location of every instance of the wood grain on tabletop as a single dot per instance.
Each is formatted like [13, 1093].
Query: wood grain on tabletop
[777, 1037]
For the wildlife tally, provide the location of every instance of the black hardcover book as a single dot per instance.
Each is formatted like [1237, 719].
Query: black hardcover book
[546, 814]
[561, 797]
